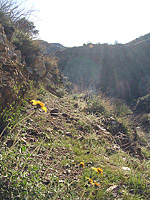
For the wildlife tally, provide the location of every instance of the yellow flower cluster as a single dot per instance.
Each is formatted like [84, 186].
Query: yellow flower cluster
[93, 182]
[39, 103]
[98, 170]
[82, 165]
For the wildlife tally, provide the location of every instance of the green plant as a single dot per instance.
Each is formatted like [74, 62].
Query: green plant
[23, 41]
[121, 109]
[11, 12]
[10, 114]
[26, 26]
[95, 105]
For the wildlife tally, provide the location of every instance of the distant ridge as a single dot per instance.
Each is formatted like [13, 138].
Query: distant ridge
[49, 48]
[139, 40]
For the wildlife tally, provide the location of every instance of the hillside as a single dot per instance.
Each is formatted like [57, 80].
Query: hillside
[83, 147]
[65, 130]
[51, 155]
[117, 70]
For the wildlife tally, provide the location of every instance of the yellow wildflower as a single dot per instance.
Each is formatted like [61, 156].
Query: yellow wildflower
[44, 108]
[34, 102]
[39, 103]
[96, 184]
[82, 165]
[98, 170]
[90, 181]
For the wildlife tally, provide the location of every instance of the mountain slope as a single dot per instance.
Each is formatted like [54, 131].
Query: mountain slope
[117, 70]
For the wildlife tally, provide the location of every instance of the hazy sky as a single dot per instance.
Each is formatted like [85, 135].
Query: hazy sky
[74, 22]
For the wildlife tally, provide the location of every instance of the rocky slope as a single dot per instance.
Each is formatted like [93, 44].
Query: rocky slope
[13, 75]
[17, 70]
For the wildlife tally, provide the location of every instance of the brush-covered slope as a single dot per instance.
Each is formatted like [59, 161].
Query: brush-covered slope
[79, 149]
[117, 70]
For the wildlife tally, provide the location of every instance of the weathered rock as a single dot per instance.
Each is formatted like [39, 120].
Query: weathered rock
[18, 53]
[126, 168]
[55, 110]
[12, 73]
[11, 54]
[113, 188]
[65, 115]
[9, 31]
[113, 125]
[69, 134]
[3, 40]
[30, 70]
[54, 114]
[39, 66]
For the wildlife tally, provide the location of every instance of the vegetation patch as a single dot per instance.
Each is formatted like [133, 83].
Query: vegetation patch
[44, 157]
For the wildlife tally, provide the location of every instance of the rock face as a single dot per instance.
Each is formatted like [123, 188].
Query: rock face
[13, 74]
[39, 66]
[3, 40]
[9, 31]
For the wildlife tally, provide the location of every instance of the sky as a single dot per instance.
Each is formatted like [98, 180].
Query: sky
[77, 22]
